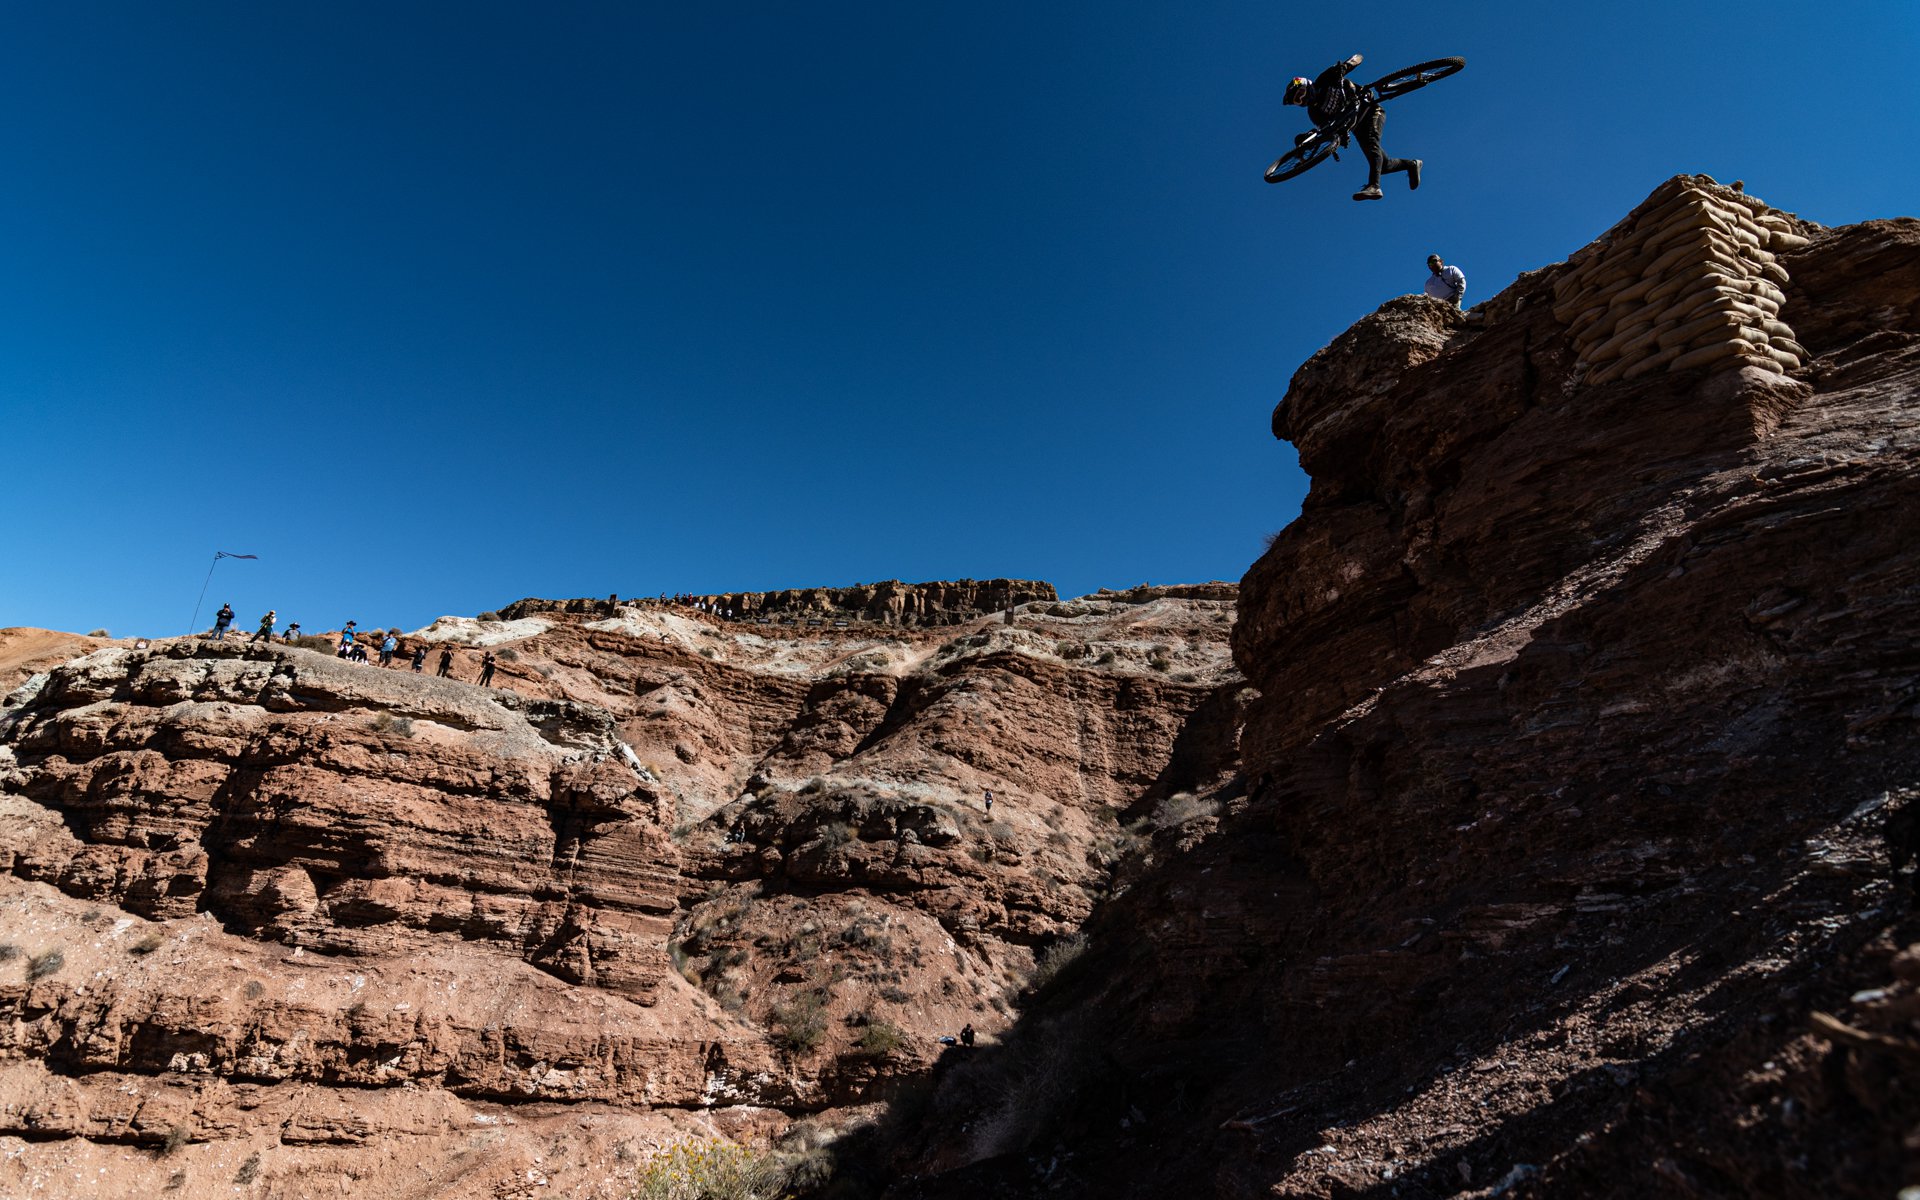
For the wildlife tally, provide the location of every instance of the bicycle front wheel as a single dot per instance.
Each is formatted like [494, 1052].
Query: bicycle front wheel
[1414, 78]
[1301, 159]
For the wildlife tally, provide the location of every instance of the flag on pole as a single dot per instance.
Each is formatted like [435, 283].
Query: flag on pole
[220, 554]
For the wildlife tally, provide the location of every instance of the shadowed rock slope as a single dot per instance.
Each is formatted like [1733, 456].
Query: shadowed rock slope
[1580, 791]
[384, 933]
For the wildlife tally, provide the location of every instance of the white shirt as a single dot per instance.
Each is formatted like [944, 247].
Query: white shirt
[1449, 284]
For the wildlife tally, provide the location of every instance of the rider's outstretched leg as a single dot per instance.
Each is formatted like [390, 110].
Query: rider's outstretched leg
[1378, 164]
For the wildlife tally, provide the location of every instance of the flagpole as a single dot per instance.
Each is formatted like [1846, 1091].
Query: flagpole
[195, 621]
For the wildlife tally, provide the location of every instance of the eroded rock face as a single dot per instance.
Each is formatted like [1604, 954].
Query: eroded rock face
[1582, 711]
[668, 870]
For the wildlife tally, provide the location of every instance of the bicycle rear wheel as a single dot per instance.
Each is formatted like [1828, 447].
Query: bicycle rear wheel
[1413, 78]
[1302, 158]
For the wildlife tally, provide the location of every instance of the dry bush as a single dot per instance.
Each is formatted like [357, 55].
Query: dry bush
[800, 1025]
[1048, 964]
[880, 1039]
[1182, 807]
[147, 942]
[45, 963]
[711, 1170]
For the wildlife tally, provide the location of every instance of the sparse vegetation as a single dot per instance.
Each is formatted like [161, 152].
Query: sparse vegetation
[1056, 958]
[880, 1039]
[711, 1170]
[249, 1170]
[489, 615]
[387, 723]
[800, 1025]
[100, 633]
[177, 1139]
[45, 963]
[147, 942]
[9, 952]
[508, 654]
[1159, 662]
[1106, 657]
[255, 989]
[1182, 807]
[837, 834]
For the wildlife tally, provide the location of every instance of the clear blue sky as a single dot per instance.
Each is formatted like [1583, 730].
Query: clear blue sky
[433, 306]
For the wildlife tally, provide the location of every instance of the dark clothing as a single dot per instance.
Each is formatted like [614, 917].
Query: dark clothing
[446, 664]
[1334, 99]
[419, 658]
[486, 670]
[1367, 133]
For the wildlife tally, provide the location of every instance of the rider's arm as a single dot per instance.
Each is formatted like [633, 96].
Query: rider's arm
[1350, 64]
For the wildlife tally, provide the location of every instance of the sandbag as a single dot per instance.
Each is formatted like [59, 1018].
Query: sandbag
[1611, 347]
[1774, 271]
[1775, 327]
[1788, 345]
[1708, 354]
[1653, 362]
[1648, 342]
[1680, 282]
[1780, 240]
[1687, 331]
[1785, 358]
[1606, 373]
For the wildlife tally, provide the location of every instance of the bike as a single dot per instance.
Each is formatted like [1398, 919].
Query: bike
[1321, 144]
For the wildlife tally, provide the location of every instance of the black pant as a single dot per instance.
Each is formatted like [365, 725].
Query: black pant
[1367, 133]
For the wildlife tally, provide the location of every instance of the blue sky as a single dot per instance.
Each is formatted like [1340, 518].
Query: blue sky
[433, 306]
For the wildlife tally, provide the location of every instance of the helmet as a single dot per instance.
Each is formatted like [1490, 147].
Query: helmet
[1298, 90]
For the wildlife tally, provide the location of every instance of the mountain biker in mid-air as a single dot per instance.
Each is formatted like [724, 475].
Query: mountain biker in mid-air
[1330, 102]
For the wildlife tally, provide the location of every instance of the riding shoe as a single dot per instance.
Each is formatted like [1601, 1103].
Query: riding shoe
[1369, 192]
[1413, 176]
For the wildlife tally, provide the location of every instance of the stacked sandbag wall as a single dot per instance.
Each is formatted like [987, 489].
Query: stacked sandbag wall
[1688, 279]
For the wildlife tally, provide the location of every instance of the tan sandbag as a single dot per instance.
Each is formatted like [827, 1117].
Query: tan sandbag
[1650, 363]
[1686, 281]
[1776, 272]
[1757, 336]
[1727, 297]
[1779, 240]
[1785, 358]
[1653, 215]
[1648, 342]
[1775, 327]
[1611, 347]
[1688, 332]
[1789, 346]
[1707, 355]
[1697, 246]
[1606, 373]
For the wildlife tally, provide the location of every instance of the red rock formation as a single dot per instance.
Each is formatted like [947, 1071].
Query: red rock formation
[1582, 712]
[668, 871]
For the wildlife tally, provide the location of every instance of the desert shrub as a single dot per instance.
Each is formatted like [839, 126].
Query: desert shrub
[879, 1039]
[1106, 657]
[489, 615]
[1159, 662]
[1059, 837]
[313, 641]
[99, 633]
[177, 1139]
[980, 853]
[800, 1025]
[508, 654]
[45, 963]
[1026, 1086]
[1182, 807]
[1056, 958]
[837, 834]
[255, 989]
[9, 952]
[386, 722]
[710, 1170]
[147, 942]
[249, 1170]
[894, 995]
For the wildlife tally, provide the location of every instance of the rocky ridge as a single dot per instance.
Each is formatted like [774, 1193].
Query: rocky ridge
[671, 875]
[1580, 783]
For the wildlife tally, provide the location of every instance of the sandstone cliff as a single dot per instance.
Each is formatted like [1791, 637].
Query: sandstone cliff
[383, 933]
[1586, 712]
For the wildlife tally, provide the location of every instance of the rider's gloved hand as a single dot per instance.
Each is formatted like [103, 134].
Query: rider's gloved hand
[1355, 61]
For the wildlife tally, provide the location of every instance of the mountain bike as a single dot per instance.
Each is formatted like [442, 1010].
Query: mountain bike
[1321, 144]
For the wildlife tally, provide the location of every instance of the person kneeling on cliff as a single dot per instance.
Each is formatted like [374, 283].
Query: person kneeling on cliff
[1331, 102]
[1445, 282]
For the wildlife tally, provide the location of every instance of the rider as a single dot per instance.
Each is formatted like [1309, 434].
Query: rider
[1332, 103]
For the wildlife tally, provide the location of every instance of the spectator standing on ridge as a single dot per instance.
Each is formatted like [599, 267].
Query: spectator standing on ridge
[989, 802]
[221, 620]
[486, 670]
[1445, 282]
[346, 641]
[419, 657]
[293, 631]
[387, 645]
[1330, 100]
[446, 663]
[265, 630]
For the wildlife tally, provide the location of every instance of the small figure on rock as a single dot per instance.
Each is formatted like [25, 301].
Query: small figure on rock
[966, 1034]
[265, 630]
[486, 670]
[989, 802]
[1445, 282]
[347, 641]
[446, 663]
[419, 657]
[387, 645]
[293, 631]
[1331, 101]
[221, 620]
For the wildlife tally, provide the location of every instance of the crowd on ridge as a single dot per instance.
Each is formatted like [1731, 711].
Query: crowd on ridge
[354, 649]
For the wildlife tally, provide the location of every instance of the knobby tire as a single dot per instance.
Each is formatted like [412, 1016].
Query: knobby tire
[1410, 79]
